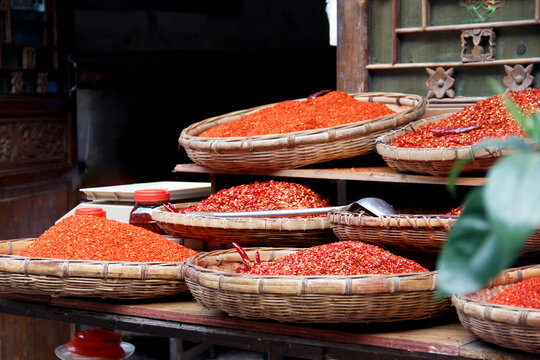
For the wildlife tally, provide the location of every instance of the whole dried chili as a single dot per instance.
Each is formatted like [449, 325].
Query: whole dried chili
[524, 294]
[87, 237]
[243, 255]
[267, 195]
[488, 118]
[332, 109]
[441, 132]
[339, 258]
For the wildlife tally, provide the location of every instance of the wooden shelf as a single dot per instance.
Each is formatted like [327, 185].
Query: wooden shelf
[452, 64]
[461, 27]
[377, 174]
[183, 318]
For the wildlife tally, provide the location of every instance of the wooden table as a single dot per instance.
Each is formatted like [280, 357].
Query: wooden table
[182, 317]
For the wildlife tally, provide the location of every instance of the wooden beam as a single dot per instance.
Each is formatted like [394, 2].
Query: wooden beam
[459, 27]
[453, 64]
[352, 55]
[395, 25]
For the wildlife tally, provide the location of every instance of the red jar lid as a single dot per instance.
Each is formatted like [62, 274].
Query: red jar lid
[90, 211]
[151, 195]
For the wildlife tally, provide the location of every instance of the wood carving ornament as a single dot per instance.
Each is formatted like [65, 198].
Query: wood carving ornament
[517, 77]
[440, 83]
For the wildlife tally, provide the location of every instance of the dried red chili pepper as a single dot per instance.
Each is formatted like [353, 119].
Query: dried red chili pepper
[524, 294]
[441, 132]
[88, 237]
[328, 110]
[268, 195]
[489, 115]
[340, 258]
[318, 93]
[170, 207]
[243, 255]
[257, 258]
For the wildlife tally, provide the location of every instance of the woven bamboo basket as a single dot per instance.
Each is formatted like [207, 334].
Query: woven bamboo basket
[214, 282]
[290, 232]
[410, 232]
[80, 278]
[297, 149]
[507, 326]
[433, 161]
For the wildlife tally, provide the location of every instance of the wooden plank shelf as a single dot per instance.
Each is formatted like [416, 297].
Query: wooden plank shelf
[376, 174]
[452, 64]
[182, 317]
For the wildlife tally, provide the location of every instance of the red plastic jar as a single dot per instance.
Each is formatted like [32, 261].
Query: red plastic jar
[145, 202]
[102, 343]
[91, 211]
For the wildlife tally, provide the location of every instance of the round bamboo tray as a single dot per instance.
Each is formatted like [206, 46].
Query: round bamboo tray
[214, 282]
[297, 149]
[433, 161]
[410, 232]
[80, 278]
[507, 326]
[289, 232]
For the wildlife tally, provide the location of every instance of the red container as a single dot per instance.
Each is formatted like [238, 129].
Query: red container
[91, 211]
[145, 202]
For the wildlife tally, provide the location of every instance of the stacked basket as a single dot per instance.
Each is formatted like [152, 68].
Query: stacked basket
[297, 149]
[79, 278]
[212, 277]
[433, 161]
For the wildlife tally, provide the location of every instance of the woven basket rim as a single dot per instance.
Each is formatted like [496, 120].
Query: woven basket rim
[283, 224]
[91, 268]
[383, 147]
[304, 285]
[189, 136]
[486, 311]
[392, 221]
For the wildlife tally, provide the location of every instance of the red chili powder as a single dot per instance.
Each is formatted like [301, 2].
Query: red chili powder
[268, 195]
[525, 294]
[339, 258]
[87, 237]
[332, 109]
[489, 119]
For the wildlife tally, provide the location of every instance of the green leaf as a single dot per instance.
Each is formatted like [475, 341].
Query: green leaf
[512, 198]
[473, 253]
[492, 144]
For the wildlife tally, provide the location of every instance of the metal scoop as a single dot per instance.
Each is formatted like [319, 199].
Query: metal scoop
[375, 206]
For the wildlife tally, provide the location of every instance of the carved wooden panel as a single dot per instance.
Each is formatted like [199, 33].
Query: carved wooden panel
[477, 45]
[518, 77]
[39, 139]
[440, 83]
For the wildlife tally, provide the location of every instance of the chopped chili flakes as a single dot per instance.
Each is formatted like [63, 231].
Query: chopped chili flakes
[87, 237]
[339, 258]
[332, 109]
[523, 294]
[267, 195]
[488, 118]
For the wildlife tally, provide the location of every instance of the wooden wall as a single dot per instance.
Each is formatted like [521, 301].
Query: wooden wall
[37, 186]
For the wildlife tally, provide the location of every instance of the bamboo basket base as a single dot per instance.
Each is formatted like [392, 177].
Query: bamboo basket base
[314, 308]
[214, 282]
[90, 287]
[507, 326]
[439, 167]
[503, 335]
[86, 278]
[254, 237]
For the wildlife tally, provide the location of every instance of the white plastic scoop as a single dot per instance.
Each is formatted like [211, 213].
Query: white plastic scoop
[375, 206]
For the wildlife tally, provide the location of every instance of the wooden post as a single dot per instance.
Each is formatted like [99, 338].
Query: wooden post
[353, 46]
